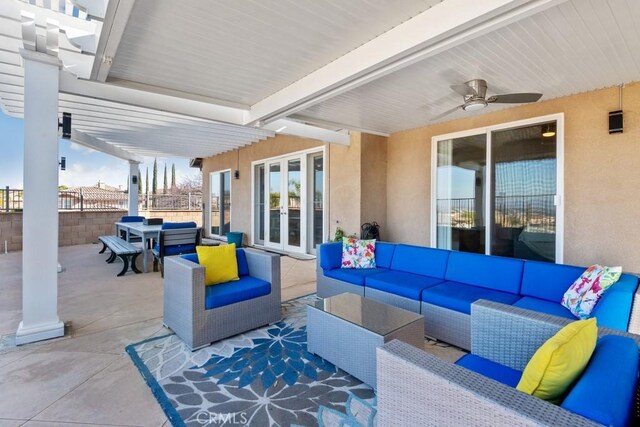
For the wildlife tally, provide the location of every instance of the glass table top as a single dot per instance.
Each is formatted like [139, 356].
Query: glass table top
[374, 316]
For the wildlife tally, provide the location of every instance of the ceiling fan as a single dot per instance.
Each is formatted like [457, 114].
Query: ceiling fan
[474, 93]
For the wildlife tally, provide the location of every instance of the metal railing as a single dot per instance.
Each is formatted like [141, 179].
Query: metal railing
[12, 200]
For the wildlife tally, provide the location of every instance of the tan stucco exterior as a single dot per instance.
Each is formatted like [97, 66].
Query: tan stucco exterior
[602, 176]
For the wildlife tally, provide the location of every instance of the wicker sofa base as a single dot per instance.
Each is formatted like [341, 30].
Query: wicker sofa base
[392, 299]
[447, 325]
[328, 287]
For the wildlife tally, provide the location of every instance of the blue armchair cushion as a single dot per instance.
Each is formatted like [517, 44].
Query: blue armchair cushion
[605, 392]
[491, 272]
[241, 257]
[490, 369]
[132, 218]
[330, 256]
[420, 260]
[460, 296]
[355, 276]
[406, 285]
[544, 306]
[174, 249]
[174, 225]
[239, 290]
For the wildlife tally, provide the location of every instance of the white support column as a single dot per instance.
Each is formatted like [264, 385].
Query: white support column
[40, 216]
[134, 182]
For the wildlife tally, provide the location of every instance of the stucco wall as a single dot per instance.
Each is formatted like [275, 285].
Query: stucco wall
[241, 160]
[602, 176]
[374, 181]
[344, 186]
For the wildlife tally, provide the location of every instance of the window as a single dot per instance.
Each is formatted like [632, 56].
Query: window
[497, 190]
[220, 203]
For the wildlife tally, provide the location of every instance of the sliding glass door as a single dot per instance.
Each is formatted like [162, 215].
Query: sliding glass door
[497, 191]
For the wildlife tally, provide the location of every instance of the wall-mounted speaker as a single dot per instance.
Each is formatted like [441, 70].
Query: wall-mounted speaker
[615, 121]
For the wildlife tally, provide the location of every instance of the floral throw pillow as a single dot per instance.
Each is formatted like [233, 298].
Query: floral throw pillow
[583, 295]
[358, 253]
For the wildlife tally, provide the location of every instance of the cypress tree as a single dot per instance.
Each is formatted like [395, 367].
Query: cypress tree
[164, 188]
[139, 183]
[146, 184]
[154, 190]
[173, 176]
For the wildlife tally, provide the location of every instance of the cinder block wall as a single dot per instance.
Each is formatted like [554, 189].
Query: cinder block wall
[79, 228]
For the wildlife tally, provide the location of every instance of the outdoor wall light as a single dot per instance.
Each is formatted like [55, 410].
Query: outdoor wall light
[63, 163]
[65, 125]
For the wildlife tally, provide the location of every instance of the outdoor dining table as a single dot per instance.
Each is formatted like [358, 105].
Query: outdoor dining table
[146, 232]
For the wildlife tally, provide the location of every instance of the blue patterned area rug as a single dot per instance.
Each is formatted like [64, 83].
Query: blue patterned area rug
[265, 377]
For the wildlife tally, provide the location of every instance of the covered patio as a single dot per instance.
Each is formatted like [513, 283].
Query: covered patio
[486, 140]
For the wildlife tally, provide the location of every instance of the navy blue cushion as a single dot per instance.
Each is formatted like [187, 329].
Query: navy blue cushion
[174, 225]
[355, 276]
[420, 260]
[175, 249]
[490, 369]
[384, 254]
[330, 255]
[132, 218]
[544, 306]
[243, 266]
[460, 296]
[406, 285]
[547, 280]
[605, 392]
[492, 272]
[238, 290]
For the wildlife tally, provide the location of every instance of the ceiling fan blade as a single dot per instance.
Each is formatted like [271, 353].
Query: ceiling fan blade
[463, 90]
[446, 113]
[515, 98]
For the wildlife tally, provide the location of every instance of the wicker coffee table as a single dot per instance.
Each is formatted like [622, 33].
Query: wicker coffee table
[346, 329]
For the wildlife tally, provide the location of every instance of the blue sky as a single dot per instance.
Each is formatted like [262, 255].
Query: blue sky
[84, 166]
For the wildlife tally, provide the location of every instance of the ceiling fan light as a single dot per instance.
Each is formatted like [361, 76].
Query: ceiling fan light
[473, 105]
[548, 131]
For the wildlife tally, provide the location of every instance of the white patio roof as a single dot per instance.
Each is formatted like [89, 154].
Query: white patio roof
[194, 78]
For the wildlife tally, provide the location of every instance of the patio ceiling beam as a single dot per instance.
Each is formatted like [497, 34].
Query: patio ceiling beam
[96, 144]
[115, 22]
[292, 127]
[439, 28]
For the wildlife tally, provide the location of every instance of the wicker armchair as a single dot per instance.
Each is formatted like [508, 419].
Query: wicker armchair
[184, 301]
[418, 389]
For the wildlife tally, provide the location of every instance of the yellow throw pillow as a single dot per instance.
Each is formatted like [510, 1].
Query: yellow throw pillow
[219, 262]
[559, 361]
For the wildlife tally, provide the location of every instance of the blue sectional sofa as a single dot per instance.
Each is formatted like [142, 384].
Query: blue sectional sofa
[442, 285]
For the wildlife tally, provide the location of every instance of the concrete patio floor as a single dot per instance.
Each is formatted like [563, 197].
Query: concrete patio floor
[86, 378]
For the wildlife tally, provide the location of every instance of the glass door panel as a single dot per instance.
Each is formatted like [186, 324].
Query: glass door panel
[214, 218]
[316, 198]
[258, 204]
[226, 207]
[460, 183]
[292, 213]
[524, 187]
[274, 218]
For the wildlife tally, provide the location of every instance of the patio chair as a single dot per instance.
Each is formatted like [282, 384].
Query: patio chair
[176, 238]
[131, 218]
[201, 314]
[418, 388]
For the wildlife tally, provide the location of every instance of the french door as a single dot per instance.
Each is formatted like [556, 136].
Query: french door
[498, 190]
[285, 219]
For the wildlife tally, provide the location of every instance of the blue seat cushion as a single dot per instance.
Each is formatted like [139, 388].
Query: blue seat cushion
[231, 292]
[492, 272]
[420, 260]
[544, 306]
[132, 218]
[241, 257]
[406, 285]
[490, 369]
[175, 249]
[354, 276]
[175, 225]
[460, 296]
[605, 392]
[548, 281]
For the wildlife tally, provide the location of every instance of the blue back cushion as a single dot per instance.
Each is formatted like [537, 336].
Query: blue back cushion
[614, 308]
[420, 260]
[492, 272]
[330, 255]
[384, 254]
[605, 392]
[132, 218]
[174, 225]
[243, 266]
[548, 281]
